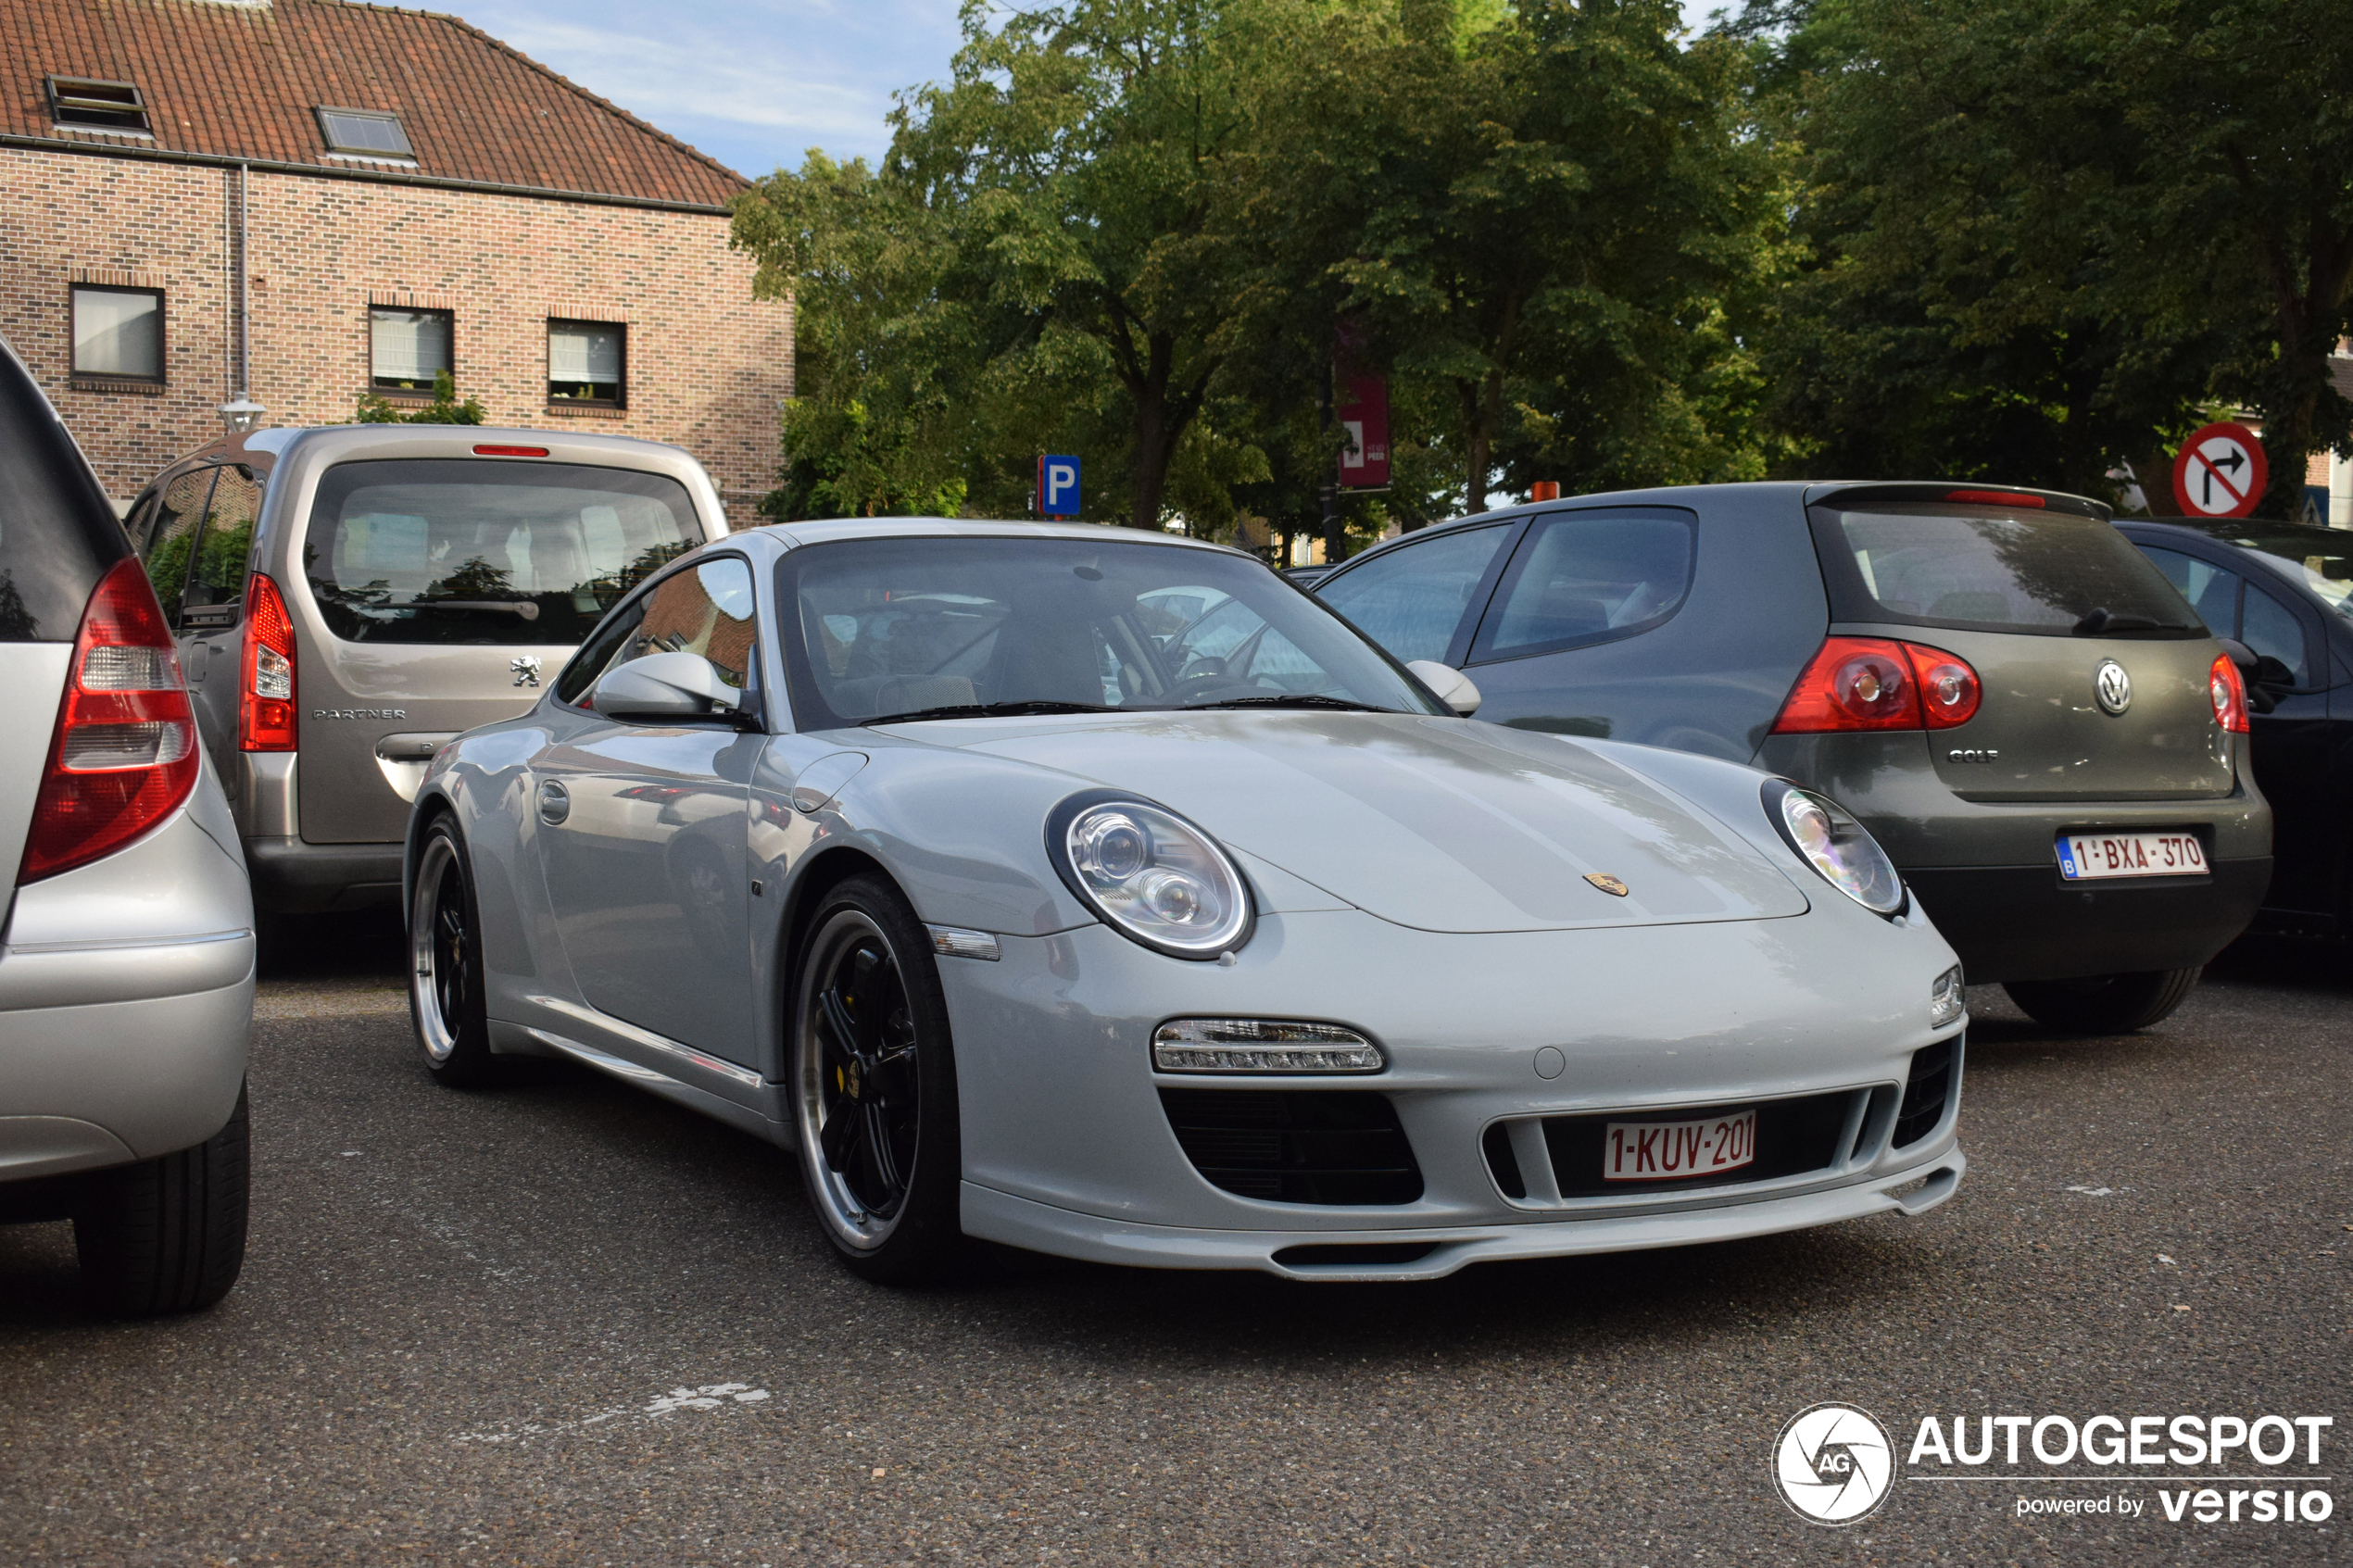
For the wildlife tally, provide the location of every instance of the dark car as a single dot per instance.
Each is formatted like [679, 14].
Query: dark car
[2047, 740]
[2284, 590]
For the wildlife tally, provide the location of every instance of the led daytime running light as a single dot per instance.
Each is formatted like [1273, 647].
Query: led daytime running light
[1255, 1045]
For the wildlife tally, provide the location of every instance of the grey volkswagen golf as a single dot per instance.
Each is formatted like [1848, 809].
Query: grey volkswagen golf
[2050, 744]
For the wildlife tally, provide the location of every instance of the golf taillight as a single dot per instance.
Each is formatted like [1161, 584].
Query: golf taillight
[124, 754]
[2227, 690]
[266, 701]
[1949, 688]
[1878, 683]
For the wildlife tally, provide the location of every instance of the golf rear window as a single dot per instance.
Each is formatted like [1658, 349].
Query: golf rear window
[470, 550]
[1991, 568]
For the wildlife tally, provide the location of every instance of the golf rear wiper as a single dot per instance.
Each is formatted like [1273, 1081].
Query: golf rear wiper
[2100, 623]
[987, 710]
[1300, 699]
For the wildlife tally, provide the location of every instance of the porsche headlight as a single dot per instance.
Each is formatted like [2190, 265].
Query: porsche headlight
[1153, 875]
[1829, 838]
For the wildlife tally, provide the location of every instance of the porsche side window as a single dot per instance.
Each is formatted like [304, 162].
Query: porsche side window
[705, 610]
[1589, 577]
[598, 654]
[1411, 600]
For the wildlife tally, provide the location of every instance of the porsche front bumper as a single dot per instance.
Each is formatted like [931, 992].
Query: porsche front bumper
[1068, 1148]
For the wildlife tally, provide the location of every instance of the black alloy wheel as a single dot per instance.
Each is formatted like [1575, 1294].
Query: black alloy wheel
[446, 1000]
[875, 1089]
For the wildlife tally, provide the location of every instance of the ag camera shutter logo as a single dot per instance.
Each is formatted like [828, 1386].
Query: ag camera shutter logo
[1834, 1464]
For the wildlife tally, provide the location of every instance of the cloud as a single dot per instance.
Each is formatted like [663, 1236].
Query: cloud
[753, 83]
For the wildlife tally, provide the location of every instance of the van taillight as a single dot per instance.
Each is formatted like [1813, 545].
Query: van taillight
[266, 701]
[1876, 684]
[124, 754]
[2226, 689]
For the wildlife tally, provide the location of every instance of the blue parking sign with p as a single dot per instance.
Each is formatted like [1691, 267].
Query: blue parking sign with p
[1057, 486]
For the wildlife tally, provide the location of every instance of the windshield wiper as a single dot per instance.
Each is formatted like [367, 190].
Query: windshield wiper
[987, 710]
[2100, 623]
[1301, 699]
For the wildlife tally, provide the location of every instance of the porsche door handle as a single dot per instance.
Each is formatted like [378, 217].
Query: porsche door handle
[555, 802]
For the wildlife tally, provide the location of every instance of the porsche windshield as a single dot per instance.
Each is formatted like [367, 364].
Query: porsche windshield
[952, 627]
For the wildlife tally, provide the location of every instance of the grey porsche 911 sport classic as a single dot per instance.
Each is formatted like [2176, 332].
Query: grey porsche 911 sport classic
[1100, 892]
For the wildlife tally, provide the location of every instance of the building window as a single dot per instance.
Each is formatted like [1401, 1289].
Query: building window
[407, 349]
[81, 104]
[117, 332]
[365, 133]
[588, 362]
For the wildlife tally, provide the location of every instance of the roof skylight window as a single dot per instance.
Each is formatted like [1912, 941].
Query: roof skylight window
[365, 133]
[80, 103]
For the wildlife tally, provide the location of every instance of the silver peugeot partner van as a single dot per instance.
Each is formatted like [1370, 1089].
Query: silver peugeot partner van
[347, 598]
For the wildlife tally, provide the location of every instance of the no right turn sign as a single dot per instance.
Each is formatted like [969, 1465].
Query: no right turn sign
[2220, 472]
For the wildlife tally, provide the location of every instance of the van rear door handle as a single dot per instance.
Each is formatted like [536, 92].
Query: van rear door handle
[555, 802]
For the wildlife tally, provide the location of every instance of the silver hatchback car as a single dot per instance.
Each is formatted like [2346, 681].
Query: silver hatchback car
[126, 956]
[347, 599]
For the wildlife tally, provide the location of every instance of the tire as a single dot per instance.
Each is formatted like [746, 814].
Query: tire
[874, 1077]
[445, 1003]
[169, 1234]
[2104, 1004]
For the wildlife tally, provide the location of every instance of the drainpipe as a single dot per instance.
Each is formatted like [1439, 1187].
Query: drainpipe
[241, 413]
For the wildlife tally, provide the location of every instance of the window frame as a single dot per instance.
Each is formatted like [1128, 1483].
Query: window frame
[377, 383]
[620, 400]
[60, 93]
[387, 117]
[163, 336]
[756, 676]
[1458, 641]
[1481, 649]
[2288, 594]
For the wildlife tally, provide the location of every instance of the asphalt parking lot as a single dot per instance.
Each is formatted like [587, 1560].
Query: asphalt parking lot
[565, 1323]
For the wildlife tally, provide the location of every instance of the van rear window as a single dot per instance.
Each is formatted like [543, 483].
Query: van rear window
[1936, 563]
[460, 550]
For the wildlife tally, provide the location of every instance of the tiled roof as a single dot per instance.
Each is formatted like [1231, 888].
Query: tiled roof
[224, 79]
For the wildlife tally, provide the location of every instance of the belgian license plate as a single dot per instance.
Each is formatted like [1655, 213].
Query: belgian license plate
[2085, 856]
[1668, 1151]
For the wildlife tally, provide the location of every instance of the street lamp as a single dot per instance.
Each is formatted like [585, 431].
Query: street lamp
[241, 413]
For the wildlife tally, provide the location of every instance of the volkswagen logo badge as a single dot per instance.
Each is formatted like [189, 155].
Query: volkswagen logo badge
[1834, 1464]
[2114, 686]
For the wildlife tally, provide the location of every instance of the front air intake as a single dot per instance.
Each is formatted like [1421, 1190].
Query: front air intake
[1935, 1074]
[1296, 1146]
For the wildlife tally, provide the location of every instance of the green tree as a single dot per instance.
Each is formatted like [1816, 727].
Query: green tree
[2049, 235]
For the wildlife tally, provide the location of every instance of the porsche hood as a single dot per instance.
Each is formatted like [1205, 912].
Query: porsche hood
[1426, 822]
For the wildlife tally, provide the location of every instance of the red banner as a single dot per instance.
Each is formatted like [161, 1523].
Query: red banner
[1361, 404]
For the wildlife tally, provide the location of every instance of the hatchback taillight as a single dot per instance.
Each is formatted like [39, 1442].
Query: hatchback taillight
[266, 701]
[124, 754]
[1876, 684]
[2226, 688]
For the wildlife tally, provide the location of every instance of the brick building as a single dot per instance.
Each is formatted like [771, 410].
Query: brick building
[372, 195]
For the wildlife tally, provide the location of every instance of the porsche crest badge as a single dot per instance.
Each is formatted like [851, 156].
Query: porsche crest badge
[1615, 887]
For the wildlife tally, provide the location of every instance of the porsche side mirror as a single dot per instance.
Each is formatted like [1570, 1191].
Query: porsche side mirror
[1448, 684]
[667, 686]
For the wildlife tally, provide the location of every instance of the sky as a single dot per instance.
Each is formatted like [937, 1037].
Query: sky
[755, 83]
